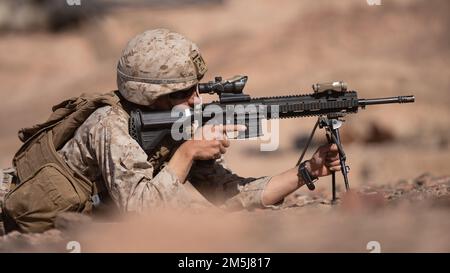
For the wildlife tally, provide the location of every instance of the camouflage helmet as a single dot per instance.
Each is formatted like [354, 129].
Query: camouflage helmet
[158, 62]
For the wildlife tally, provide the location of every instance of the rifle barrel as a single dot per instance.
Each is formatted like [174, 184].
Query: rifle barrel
[399, 99]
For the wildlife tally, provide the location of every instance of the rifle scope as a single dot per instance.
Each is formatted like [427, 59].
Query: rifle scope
[234, 85]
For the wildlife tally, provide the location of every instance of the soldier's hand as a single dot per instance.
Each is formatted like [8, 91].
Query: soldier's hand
[210, 141]
[324, 161]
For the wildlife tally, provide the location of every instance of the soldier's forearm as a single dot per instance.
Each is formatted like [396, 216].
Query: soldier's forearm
[280, 186]
[181, 163]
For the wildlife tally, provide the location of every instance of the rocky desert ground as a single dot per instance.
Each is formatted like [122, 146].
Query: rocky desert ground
[398, 154]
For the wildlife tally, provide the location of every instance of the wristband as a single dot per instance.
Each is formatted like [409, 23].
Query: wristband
[306, 176]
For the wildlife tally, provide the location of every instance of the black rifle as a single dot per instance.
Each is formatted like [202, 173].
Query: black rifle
[330, 102]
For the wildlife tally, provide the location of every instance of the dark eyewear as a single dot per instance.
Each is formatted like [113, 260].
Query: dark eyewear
[183, 94]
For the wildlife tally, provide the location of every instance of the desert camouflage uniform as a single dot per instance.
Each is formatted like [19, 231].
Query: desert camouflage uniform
[154, 63]
[103, 151]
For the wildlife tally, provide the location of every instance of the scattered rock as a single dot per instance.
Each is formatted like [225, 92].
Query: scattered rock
[423, 188]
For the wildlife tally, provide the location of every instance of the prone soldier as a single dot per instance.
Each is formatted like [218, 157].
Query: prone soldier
[83, 158]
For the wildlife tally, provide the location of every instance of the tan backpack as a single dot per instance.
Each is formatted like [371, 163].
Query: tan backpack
[47, 186]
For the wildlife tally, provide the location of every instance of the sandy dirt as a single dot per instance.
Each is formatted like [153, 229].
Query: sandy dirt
[398, 48]
[409, 216]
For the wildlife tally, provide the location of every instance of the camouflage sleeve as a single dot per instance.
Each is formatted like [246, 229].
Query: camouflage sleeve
[226, 189]
[125, 170]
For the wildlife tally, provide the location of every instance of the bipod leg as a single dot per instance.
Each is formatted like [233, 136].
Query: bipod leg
[342, 157]
[307, 143]
[333, 187]
[333, 174]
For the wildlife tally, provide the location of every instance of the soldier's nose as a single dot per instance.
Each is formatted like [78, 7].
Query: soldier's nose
[197, 100]
[194, 99]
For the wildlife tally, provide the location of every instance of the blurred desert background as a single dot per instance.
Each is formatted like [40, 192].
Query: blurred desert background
[50, 51]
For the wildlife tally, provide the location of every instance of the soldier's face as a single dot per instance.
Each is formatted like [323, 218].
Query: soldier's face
[186, 98]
